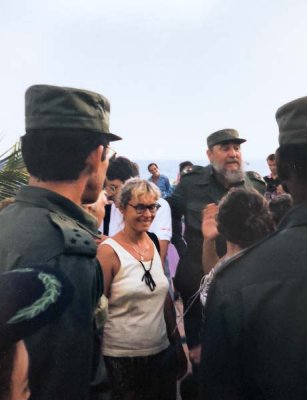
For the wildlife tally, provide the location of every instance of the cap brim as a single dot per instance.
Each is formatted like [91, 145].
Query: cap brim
[112, 137]
[239, 141]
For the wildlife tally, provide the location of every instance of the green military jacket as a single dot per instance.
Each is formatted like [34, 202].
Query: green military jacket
[195, 190]
[44, 228]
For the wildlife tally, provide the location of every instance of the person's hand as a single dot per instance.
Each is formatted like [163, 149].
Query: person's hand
[194, 354]
[209, 225]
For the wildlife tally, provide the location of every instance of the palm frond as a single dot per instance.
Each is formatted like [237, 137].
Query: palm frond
[13, 173]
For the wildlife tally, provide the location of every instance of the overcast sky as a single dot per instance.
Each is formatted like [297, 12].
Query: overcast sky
[174, 70]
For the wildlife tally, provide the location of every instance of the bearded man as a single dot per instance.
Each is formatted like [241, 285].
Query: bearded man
[197, 189]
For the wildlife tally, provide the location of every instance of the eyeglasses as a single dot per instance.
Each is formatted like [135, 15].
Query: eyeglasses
[112, 189]
[108, 153]
[141, 208]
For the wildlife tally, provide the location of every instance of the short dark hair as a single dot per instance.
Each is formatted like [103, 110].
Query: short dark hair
[151, 164]
[279, 206]
[185, 164]
[244, 217]
[271, 157]
[7, 359]
[291, 159]
[122, 168]
[53, 155]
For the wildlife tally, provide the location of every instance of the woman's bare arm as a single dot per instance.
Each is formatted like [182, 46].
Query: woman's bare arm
[110, 265]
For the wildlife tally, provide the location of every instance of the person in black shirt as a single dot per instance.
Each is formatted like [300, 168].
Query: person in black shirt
[273, 184]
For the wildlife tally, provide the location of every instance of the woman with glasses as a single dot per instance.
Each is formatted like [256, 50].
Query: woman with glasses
[141, 343]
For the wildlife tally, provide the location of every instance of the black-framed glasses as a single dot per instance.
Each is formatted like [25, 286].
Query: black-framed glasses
[141, 208]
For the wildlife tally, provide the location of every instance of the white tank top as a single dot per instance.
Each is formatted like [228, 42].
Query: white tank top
[135, 324]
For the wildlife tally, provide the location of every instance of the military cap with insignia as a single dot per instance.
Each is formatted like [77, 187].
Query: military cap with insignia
[30, 299]
[224, 136]
[292, 121]
[55, 107]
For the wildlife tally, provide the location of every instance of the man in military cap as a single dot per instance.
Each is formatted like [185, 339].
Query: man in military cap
[66, 151]
[254, 340]
[197, 189]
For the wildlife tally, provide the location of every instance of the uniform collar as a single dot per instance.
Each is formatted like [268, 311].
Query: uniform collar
[44, 198]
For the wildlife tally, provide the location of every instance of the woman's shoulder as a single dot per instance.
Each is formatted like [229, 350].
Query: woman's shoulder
[108, 246]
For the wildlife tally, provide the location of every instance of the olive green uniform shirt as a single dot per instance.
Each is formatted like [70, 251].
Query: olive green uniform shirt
[195, 190]
[42, 227]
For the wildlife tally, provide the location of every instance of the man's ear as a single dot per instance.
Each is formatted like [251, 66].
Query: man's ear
[94, 159]
[209, 154]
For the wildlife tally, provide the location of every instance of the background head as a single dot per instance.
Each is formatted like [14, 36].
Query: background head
[185, 167]
[153, 169]
[291, 157]
[119, 171]
[67, 133]
[279, 206]
[271, 161]
[224, 153]
[244, 217]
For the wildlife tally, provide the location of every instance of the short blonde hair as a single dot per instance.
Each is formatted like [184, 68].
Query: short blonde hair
[137, 187]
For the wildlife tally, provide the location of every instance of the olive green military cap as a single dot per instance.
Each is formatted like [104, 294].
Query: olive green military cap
[292, 122]
[224, 135]
[55, 107]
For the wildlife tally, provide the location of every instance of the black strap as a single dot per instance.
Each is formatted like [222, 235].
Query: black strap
[155, 239]
[147, 277]
[106, 220]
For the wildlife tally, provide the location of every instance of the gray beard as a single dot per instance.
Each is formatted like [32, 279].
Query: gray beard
[230, 177]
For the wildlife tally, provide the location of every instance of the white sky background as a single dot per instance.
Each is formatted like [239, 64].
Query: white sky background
[174, 70]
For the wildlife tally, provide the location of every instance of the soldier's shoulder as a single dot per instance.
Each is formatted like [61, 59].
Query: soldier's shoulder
[76, 238]
[196, 171]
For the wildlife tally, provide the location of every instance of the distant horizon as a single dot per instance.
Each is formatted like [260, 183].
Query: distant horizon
[169, 167]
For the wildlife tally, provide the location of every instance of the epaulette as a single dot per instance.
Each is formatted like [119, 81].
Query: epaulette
[76, 239]
[254, 175]
[197, 169]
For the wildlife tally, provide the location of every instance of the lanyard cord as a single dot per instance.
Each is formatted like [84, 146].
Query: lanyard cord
[147, 277]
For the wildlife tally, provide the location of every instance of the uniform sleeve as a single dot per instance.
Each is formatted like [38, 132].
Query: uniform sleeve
[219, 370]
[177, 204]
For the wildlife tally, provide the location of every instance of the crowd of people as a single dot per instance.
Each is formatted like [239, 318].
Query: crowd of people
[85, 285]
